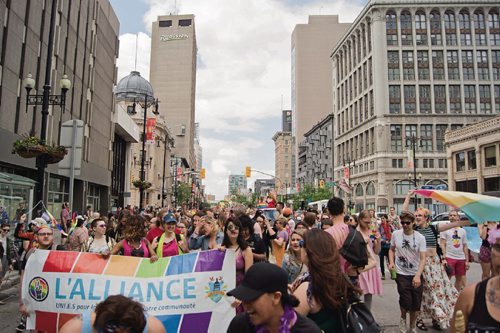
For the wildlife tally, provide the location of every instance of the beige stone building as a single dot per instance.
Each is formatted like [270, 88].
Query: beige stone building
[85, 49]
[311, 95]
[173, 76]
[410, 71]
[283, 157]
[473, 157]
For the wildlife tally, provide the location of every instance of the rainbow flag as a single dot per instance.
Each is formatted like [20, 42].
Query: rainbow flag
[50, 218]
[187, 293]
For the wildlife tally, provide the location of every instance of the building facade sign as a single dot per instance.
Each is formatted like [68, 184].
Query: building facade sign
[167, 38]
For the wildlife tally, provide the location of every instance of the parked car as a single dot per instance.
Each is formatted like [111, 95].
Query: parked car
[443, 218]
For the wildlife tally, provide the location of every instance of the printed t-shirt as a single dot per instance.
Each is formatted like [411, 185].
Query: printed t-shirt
[407, 254]
[455, 238]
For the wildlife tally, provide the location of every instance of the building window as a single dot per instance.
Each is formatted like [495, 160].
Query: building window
[440, 132]
[403, 187]
[490, 156]
[438, 65]
[165, 24]
[410, 99]
[495, 62]
[408, 65]
[425, 98]
[471, 160]
[391, 27]
[453, 64]
[428, 163]
[442, 163]
[466, 186]
[450, 28]
[468, 65]
[482, 65]
[393, 65]
[420, 28]
[370, 189]
[394, 99]
[439, 99]
[396, 138]
[464, 25]
[406, 28]
[470, 99]
[497, 99]
[480, 27]
[426, 137]
[397, 163]
[484, 99]
[455, 99]
[460, 161]
[435, 23]
[492, 184]
[185, 23]
[423, 65]
[93, 197]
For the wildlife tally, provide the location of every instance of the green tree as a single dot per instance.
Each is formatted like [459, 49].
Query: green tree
[183, 193]
[309, 193]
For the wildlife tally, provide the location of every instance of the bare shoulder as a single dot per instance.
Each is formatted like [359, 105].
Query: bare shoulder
[72, 325]
[155, 325]
[465, 300]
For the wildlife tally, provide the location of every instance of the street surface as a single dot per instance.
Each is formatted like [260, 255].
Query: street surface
[385, 308]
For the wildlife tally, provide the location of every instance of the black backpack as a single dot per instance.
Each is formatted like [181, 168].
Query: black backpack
[354, 249]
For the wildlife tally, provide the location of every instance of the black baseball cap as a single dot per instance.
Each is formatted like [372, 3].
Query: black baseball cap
[261, 278]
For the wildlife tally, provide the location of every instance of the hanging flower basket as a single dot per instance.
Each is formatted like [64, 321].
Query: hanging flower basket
[28, 147]
[141, 184]
[55, 154]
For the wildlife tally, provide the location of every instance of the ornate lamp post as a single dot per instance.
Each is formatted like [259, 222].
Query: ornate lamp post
[411, 142]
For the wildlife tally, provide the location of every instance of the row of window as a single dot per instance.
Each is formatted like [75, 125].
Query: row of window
[357, 113]
[490, 184]
[429, 137]
[432, 29]
[358, 81]
[468, 99]
[357, 169]
[427, 163]
[354, 50]
[357, 147]
[466, 160]
[168, 23]
[465, 62]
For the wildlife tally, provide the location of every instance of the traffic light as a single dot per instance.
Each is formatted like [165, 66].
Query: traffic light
[202, 173]
[248, 172]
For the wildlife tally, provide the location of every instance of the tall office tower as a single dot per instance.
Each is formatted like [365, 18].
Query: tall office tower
[173, 77]
[85, 49]
[312, 45]
[404, 74]
[237, 184]
[286, 121]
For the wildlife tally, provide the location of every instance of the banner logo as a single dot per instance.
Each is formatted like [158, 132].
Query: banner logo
[38, 289]
[216, 289]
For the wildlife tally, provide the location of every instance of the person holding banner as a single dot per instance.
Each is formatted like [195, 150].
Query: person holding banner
[170, 243]
[268, 305]
[134, 243]
[100, 242]
[116, 314]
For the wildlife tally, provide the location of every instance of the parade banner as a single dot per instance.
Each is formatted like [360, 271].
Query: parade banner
[185, 292]
[150, 131]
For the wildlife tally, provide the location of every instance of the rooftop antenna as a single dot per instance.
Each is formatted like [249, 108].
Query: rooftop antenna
[136, 41]
[175, 8]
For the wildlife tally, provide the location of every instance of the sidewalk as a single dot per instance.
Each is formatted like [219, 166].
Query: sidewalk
[11, 279]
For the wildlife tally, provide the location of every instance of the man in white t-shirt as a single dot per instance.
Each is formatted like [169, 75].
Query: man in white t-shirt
[455, 251]
[407, 256]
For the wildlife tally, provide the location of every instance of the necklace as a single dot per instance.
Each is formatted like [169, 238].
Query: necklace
[491, 293]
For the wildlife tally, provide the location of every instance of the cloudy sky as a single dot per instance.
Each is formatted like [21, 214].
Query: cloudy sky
[243, 77]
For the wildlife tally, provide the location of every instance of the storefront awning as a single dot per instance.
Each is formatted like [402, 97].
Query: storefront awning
[16, 179]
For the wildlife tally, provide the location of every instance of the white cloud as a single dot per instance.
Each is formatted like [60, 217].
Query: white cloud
[243, 74]
[129, 59]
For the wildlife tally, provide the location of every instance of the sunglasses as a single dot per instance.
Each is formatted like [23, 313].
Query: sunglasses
[45, 234]
[232, 227]
[102, 226]
[406, 222]
[6, 230]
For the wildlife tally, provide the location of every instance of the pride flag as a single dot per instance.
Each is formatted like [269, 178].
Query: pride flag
[187, 293]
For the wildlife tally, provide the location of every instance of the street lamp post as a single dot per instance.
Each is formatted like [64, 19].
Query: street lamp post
[411, 142]
[46, 99]
[349, 162]
[143, 151]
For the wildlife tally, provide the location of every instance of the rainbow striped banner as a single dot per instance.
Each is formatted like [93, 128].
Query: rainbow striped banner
[186, 292]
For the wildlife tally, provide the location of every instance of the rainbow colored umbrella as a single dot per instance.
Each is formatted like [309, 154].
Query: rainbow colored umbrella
[479, 208]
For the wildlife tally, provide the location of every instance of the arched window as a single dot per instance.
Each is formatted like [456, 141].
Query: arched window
[390, 20]
[449, 20]
[493, 19]
[370, 189]
[435, 20]
[464, 20]
[359, 190]
[420, 23]
[405, 20]
[403, 187]
[479, 19]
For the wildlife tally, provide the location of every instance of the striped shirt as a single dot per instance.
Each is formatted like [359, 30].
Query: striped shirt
[430, 238]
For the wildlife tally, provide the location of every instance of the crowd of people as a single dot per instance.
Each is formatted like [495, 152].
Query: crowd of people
[291, 275]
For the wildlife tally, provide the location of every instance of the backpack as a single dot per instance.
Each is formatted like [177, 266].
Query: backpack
[354, 249]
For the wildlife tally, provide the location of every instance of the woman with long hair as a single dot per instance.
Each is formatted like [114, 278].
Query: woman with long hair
[99, 242]
[324, 289]
[370, 281]
[234, 241]
[134, 242]
[385, 230]
[292, 262]
[279, 243]
[123, 217]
